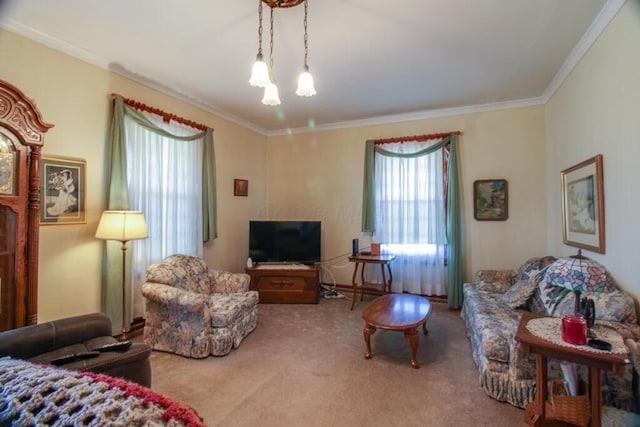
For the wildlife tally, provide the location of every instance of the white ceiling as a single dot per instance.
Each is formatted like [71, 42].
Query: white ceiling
[372, 60]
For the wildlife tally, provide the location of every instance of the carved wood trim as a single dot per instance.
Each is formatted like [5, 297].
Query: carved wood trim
[20, 115]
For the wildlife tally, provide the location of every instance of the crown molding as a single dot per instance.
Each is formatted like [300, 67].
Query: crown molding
[606, 15]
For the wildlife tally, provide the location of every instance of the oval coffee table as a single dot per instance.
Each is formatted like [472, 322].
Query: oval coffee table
[397, 312]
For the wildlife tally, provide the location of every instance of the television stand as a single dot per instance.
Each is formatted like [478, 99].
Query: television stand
[285, 283]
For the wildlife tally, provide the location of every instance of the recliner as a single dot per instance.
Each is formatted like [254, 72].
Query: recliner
[46, 342]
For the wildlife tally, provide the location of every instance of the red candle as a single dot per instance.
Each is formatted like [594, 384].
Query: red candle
[574, 329]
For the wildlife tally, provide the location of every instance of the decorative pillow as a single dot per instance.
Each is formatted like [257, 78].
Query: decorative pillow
[551, 296]
[614, 306]
[518, 295]
[532, 266]
[495, 287]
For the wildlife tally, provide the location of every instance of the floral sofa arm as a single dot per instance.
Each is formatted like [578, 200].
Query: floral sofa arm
[176, 298]
[228, 283]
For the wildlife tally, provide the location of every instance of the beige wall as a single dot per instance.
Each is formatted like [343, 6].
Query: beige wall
[75, 97]
[597, 111]
[319, 176]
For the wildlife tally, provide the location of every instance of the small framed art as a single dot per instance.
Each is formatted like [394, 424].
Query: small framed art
[240, 187]
[583, 205]
[490, 200]
[63, 190]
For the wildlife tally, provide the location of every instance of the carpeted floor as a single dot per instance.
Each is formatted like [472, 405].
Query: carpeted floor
[304, 366]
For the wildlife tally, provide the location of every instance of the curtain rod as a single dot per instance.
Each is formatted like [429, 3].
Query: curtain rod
[166, 117]
[419, 138]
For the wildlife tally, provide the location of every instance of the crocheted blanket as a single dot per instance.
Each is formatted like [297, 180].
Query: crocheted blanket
[32, 394]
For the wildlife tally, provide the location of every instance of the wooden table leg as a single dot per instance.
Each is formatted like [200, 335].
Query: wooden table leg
[595, 394]
[541, 387]
[384, 280]
[390, 277]
[411, 335]
[368, 331]
[354, 283]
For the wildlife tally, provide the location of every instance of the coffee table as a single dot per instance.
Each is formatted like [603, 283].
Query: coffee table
[397, 312]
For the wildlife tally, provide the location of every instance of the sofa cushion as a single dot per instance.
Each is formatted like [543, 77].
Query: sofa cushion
[551, 296]
[615, 306]
[496, 287]
[186, 272]
[528, 278]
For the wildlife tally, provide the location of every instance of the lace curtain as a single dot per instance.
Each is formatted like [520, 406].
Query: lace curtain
[164, 179]
[410, 217]
[451, 224]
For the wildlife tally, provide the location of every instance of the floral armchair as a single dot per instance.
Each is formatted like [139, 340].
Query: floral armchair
[196, 311]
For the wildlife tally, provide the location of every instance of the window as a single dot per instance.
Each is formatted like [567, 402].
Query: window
[164, 180]
[410, 219]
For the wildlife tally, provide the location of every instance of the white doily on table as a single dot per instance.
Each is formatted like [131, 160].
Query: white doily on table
[550, 329]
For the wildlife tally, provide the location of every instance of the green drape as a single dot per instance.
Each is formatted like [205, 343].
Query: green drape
[454, 208]
[118, 200]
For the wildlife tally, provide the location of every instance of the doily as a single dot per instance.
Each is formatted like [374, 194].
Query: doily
[550, 329]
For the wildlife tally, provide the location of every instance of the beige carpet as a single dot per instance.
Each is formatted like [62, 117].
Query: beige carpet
[304, 366]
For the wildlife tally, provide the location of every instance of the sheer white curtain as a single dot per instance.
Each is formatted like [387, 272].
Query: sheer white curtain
[410, 217]
[164, 180]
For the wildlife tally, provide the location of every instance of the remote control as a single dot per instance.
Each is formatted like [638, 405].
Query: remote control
[73, 357]
[120, 345]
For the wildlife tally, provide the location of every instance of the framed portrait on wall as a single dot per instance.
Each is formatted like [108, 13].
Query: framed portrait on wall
[240, 187]
[63, 191]
[490, 200]
[583, 205]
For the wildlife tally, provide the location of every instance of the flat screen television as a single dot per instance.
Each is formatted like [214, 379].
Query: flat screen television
[285, 241]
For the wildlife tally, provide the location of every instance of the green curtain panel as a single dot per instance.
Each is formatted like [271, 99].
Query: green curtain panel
[454, 208]
[118, 200]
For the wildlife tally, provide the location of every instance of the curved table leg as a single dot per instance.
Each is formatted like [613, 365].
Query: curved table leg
[411, 335]
[368, 331]
[354, 283]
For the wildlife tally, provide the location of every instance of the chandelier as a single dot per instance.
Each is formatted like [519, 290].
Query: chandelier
[261, 74]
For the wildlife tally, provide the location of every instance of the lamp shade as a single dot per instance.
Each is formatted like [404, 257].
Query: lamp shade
[271, 95]
[259, 73]
[122, 226]
[579, 274]
[305, 84]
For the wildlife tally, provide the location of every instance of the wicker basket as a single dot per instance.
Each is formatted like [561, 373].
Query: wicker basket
[570, 409]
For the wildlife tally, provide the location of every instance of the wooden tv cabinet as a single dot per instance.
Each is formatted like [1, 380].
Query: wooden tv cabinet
[282, 284]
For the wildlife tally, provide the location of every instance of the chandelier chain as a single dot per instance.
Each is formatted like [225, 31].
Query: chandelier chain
[271, 46]
[260, 27]
[306, 46]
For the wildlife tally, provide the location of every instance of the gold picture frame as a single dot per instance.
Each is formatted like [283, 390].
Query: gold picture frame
[63, 191]
[583, 205]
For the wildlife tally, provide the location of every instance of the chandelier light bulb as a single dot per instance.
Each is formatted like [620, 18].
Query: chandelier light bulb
[271, 95]
[259, 73]
[305, 84]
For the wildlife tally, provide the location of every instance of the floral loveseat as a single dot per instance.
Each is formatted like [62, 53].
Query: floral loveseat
[492, 309]
[196, 311]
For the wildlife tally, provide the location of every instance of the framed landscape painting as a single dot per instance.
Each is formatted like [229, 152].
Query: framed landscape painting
[63, 192]
[490, 200]
[583, 205]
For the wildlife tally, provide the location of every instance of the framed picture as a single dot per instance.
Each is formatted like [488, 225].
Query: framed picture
[490, 200]
[63, 191]
[240, 187]
[583, 205]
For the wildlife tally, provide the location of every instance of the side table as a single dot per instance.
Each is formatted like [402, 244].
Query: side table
[596, 361]
[384, 262]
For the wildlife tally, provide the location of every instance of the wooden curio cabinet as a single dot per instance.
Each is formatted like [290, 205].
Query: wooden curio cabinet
[21, 138]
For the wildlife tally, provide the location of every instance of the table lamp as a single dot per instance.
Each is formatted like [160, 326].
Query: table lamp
[577, 273]
[122, 226]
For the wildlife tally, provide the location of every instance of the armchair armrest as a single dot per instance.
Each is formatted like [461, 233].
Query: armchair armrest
[228, 283]
[175, 297]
